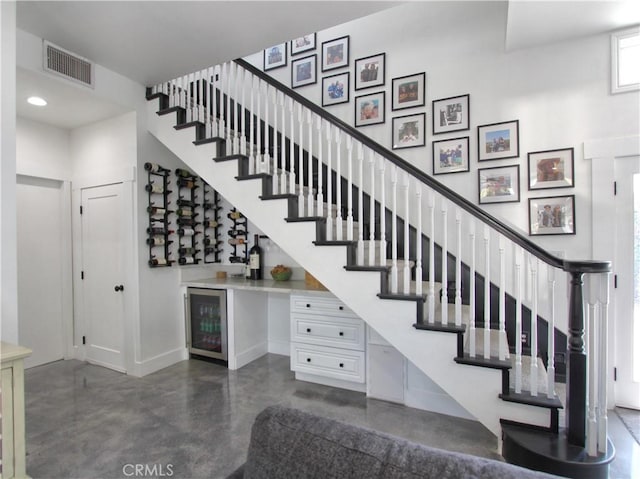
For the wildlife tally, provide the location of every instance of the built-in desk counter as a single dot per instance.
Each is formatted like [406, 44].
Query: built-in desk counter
[257, 314]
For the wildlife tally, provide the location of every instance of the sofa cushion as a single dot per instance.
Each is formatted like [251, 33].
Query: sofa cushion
[288, 443]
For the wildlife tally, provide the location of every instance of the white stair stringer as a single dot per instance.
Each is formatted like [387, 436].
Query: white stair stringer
[474, 388]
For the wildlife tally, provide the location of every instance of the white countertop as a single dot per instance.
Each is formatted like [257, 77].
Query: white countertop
[266, 285]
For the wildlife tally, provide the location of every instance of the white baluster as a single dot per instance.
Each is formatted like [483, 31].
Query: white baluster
[236, 122]
[208, 87]
[257, 167]
[243, 112]
[472, 289]
[320, 194]
[502, 342]
[329, 183]
[382, 251]
[458, 298]
[603, 420]
[179, 92]
[276, 156]
[252, 126]
[282, 187]
[444, 298]
[222, 126]
[265, 166]
[199, 82]
[431, 296]
[372, 208]
[517, 260]
[228, 112]
[394, 229]
[338, 184]
[310, 207]
[300, 161]
[360, 206]
[487, 293]
[187, 94]
[533, 263]
[349, 188]
[173, 93]
[292, 156]
[418, 189]
[592, 360]
[551, 344]
[215, 132]
[406, 273]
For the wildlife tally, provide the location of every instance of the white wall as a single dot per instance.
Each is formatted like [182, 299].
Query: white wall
[42, 150]
[559, 93]
[8, 276]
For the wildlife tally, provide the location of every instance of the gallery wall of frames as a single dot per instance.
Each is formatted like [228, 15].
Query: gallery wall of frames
[364, 83]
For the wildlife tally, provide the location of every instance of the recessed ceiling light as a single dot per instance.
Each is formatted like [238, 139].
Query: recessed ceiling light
[37, 101]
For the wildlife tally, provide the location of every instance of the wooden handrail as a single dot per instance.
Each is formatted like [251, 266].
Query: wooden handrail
[584, 266]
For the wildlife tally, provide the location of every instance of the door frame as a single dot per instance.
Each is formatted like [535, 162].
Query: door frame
[66, 253]
[603, 154]
[131, 326]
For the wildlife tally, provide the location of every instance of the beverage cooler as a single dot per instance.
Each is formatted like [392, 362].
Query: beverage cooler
[207, 322]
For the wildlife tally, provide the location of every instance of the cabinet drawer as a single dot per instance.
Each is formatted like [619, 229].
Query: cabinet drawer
[328, 331]
[320, 305]
[345, 365]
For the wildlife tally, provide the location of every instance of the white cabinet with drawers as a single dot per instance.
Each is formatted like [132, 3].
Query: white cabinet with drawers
[327, 342]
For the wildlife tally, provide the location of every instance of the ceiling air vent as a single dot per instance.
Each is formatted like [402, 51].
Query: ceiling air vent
[64, 63]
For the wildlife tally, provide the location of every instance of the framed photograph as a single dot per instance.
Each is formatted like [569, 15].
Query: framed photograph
[303, 44]
[408, 91]
[275, 57]
[303, 71]
[335, 53]
[335, 89]
[369, 109]
[450, 114]
[551, 169]
[408, 131]
[552, 215]
[369, 71]
[498, 141]
[451, 156]
[500, 184]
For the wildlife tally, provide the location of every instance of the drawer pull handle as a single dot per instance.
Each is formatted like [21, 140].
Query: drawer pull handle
[308, 330]
[308, 305]
[308, 360]
[341, 308]
[341, 333]
[341, 365]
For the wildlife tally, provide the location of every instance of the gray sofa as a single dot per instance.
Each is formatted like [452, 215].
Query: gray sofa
[288, 443]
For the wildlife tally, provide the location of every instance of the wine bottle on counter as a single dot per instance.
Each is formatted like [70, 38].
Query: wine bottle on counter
[255, 259]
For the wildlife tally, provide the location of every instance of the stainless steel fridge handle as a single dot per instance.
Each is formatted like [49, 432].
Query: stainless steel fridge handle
[186, 318]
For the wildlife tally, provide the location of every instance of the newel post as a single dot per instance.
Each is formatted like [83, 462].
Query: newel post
[576, 364]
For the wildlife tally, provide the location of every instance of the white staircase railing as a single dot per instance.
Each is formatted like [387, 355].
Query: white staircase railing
[322, 160]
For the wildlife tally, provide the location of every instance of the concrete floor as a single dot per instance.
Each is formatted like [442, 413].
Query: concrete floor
[193, 419]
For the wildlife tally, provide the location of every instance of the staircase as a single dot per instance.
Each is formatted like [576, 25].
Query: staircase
[441, 280]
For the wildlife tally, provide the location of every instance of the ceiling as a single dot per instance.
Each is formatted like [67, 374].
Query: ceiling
[150, 41]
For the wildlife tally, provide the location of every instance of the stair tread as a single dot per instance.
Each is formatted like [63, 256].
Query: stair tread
[447, 328]
[189, 124]
[278, 196]
[493, 363]
[253, 176]
[237, 156]
[526, 398]
[334, 243]
[366, 268]
[212, 139]
[302, 219]
[402, 296]
[495, 337]
[171, 109]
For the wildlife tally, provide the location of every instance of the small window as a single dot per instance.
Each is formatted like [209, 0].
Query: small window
[625, 60]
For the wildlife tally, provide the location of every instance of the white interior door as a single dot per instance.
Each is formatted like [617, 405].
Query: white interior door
[103, 289]
[41, 256]
[627, 294]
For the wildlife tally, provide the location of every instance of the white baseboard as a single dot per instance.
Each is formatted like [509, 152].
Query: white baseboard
[435, 402]
[280, 347]
[251, 354]
[156, 363]
[336, 383]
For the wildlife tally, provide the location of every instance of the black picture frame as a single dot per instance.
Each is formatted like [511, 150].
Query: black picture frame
[551, 169]
[451, 156]
[364, 105]
[408, 91]
[335, 53]
[335, 89]
[552, 215]
[408, 131]
[499, 184]
[369, 71]
[303, 44]
[304, 71]
[499, 141]
[275, 57]
[450, 114]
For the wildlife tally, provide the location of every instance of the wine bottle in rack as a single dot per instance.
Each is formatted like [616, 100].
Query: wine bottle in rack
[154, 210]
[237, 241]
[154, 230]
[212, 241]
[184, 173]
[210, 223]
[188, 260]
[186, 231]
[157, 241]
[235, 215]
[212, 250]
[186, 221]
[159, 262]
[255, 259]
[237, 232]
[155, 168]
[184, 183]
[156, 188]
[182, 202]
[185, 212]
[209, 206]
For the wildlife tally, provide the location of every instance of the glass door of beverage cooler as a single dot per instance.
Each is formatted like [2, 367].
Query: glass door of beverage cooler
[207, 322]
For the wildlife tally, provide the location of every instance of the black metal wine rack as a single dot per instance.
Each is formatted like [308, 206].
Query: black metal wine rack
[187, 183]
[158, 232]
[238, 236]
[211, 224]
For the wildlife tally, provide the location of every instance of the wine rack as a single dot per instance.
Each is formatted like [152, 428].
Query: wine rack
[238, 236]
[211, 224]
[187, 183]
[158, 232]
